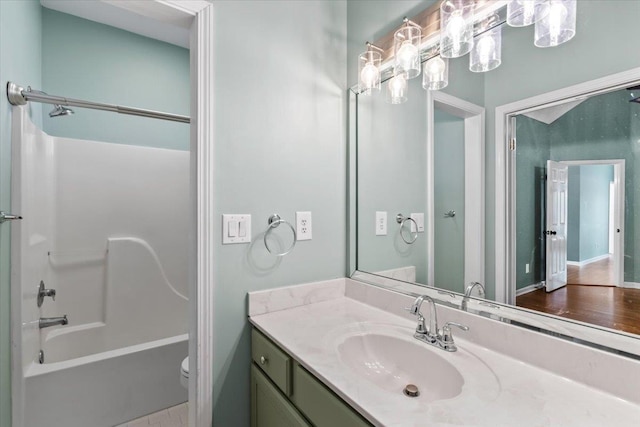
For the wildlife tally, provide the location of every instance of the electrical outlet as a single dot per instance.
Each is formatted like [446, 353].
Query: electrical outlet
[381, 223]
[303, 225]
[419, 219]
[526, 268]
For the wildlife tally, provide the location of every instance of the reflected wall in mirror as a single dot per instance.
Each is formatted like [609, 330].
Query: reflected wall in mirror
[576, 198]
[393, 173]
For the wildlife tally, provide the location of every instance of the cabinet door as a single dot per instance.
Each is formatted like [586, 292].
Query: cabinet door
[320, 405]
[269, 408]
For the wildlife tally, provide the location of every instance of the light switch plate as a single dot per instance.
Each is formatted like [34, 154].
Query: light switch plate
[236, 228]
[381, 223]
[303, 225]
[419, 219]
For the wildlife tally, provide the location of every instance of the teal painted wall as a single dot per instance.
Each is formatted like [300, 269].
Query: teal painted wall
[449, 195]
[573, 215]
[391, 168]
[20, 60]
[86, 60]
[280, 135]
[594, 209]
[588, 211]
[531, 163]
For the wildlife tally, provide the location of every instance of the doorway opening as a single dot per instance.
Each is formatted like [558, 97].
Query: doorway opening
[458, 117]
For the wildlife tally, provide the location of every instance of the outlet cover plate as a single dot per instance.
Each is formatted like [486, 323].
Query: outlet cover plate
[303, 226]
[419, 219]
[381, 223]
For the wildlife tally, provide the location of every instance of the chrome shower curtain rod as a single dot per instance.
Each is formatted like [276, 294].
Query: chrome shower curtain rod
[17, 95]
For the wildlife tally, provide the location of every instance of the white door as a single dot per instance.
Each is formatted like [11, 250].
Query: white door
[556, 231]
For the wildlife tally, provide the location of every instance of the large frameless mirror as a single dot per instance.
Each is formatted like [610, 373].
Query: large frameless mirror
[564, 244]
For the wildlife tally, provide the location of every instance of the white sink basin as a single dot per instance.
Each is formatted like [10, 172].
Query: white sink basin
[392, 363]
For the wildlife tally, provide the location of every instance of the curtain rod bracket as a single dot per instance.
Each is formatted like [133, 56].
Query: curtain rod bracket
[14, 94]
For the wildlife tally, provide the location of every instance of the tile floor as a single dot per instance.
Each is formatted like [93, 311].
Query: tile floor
[176, 416]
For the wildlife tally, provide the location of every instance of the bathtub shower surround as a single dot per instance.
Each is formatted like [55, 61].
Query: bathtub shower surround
[105, 226]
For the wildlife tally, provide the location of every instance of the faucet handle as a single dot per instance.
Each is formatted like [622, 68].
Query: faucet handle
[447, 336]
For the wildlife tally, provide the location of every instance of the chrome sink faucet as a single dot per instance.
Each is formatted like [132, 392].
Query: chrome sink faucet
[425, 334]
[432, 335]
[467, 293]
[46, 322]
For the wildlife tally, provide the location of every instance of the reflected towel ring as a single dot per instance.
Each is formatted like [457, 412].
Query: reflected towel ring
[274, 221]
[401, 219]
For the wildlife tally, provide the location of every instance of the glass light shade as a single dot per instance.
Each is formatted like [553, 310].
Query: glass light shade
[558, 23]
[397, 90]
[435, 75]
[406, 45]
[486, 54]
[369, 72]
[521, 13]
[456, 28]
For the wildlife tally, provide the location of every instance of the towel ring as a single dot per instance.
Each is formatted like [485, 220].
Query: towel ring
[401, 219]
[274, 221]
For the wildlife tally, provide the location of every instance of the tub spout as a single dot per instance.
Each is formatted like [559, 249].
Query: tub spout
[45, 322]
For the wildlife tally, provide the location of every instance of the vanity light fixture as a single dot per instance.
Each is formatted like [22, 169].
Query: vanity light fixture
[406, 45]
[557, 24]
[449, 28]
[397, 90]
[435, 75]
[521, 13]
[369, 69]
[486, 54]
[456, 34]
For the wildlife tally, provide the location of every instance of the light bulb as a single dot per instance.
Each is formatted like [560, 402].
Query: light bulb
[435, 67]
[456, 25]
[407, 54]
[397, 86]
[557, 15]
[455, 28]
[486, 47]
[369, 75]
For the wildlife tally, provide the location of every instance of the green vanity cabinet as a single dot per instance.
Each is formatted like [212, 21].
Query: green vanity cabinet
[284, 394]
[269, 408]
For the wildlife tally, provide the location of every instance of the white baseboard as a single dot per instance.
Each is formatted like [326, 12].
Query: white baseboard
[632, 285]
[588, 261]
[529, 288]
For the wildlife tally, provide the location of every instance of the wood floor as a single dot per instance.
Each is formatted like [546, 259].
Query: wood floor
[595, 273]
[608, 306]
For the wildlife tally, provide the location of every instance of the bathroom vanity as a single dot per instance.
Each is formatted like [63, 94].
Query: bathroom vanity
[341, 352]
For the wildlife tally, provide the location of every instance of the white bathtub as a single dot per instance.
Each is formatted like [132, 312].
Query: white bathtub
[106, 389]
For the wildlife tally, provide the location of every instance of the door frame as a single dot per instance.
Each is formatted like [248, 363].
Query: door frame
[197, 16]
[618, 215]
[504, 227]
[474, 189]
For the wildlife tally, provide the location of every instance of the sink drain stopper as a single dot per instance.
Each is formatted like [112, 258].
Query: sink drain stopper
[411, 390]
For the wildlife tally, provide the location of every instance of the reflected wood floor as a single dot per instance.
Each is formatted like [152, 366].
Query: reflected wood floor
[595, 273]
[608, 306]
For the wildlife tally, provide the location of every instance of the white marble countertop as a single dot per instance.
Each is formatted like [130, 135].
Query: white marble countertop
[499, 391]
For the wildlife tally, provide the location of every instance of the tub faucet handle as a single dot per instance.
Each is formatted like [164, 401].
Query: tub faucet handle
[42, 292]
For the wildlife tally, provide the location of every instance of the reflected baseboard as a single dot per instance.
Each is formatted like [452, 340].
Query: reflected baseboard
[530, 288]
